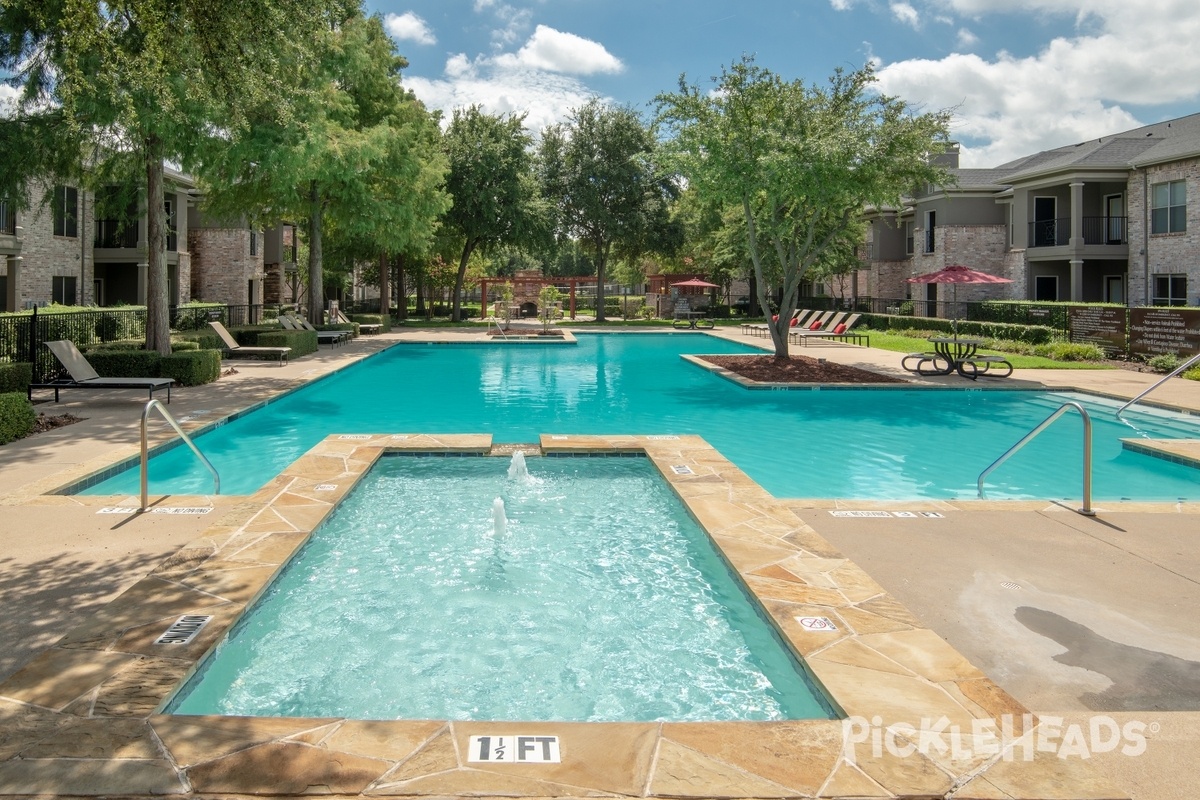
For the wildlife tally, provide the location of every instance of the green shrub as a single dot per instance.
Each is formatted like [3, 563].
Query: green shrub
[1192, 374]
[113, 346]
[1032, 334]
[184, 345]
[385, 322]
[1167, 362]
[125, 363]
[15, 377]
[907, 308]
[192, 367]
[16, 416]
[1069, 351]
[301, 342]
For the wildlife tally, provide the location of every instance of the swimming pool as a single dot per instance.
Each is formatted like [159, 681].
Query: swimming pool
[416, 601]
[886, 444]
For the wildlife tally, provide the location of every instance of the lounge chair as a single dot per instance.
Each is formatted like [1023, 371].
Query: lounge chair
[363, 327]
[323, 337]
[84, 376]
[839, 330]
[799, 316]
[825, 324]
[233, 349]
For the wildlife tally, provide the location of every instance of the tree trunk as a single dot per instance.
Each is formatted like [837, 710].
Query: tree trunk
[158, 322]
[468, 248]
[419, 288]
[601, 265]
[385, 289]
[316, 287]
[401, 290]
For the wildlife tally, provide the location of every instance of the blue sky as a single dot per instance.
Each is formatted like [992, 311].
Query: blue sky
[1023, 75]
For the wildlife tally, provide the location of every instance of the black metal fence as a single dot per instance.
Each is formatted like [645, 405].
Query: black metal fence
[22, 335]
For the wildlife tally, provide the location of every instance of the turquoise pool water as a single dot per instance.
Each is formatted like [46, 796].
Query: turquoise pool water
[414, 602]
[860, 444]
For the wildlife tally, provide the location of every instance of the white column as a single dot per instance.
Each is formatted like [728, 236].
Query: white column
[142, 270]
[1076, 218]
[1076, 280]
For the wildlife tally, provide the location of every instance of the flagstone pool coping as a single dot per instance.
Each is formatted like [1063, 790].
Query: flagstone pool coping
[82, 718]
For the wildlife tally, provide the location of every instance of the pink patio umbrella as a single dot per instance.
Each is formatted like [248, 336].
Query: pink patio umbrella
[956, 274]
[696, 283]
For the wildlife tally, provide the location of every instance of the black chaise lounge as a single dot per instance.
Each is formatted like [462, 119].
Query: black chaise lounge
[84, 376]
[235, 350]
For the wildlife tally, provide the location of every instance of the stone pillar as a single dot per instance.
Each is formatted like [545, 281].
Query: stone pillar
[1076, 279]
[1076, 241]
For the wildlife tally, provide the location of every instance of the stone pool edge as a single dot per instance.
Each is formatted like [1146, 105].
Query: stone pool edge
[80, 718]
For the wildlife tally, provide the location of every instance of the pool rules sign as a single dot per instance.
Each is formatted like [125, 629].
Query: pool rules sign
[513, 749]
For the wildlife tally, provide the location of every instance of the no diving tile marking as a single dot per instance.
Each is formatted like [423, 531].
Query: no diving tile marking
[131, 510]
[861, 513]
[682, 469]
[325, 487]
[184, 629]
[817, 624]
[662, 438]
[514, 749]
[355, 436]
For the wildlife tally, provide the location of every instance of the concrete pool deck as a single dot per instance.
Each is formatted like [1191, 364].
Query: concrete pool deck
[65, 561]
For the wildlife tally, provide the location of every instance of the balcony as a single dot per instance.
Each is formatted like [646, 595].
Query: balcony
[112, 234]
[1096, 231]
[8, 220]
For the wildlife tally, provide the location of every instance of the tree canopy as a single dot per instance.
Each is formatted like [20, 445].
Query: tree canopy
[599, 170]
[800, 161]
[138, 82]
[496, 201]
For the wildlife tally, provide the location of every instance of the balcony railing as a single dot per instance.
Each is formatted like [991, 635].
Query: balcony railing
[110, 234]
[1096, 230]
[8, 220]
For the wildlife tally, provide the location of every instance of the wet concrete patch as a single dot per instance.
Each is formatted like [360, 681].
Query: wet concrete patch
[1142, 680]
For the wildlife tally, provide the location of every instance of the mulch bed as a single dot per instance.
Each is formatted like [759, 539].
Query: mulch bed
[797, 369]
[44, 423]
[525, 332]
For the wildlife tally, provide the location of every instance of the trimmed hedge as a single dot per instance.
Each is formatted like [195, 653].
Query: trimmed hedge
[125, 363]
[16, 377]
[183, 345]
[301, 342]
[384, 322]
[1033, 334]
[192, 367]
[16, 416]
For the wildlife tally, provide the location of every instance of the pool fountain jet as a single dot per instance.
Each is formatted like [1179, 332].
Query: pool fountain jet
[499, 520]
[517, 469]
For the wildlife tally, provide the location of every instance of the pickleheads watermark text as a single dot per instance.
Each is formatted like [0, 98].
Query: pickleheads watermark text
[1013, 738]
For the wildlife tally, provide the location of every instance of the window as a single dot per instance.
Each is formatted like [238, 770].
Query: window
[8, 219]
[63, 290]
[908, 238]
[1045, 288]
[1168, 207]
[172, 230]
[930, 224]
[1170, 290]
[253, 243]
[66, 211]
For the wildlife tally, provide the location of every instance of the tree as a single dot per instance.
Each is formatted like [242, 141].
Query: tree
[143, 81]
[599, 170]
[491, 180]
[365, 165]
[800, 161]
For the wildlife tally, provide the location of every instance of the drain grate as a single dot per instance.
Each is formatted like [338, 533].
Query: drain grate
[1011, 585]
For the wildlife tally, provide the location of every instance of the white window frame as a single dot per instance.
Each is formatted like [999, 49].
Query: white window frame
[1170, 226]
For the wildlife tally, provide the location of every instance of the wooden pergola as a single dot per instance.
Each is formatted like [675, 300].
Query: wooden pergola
[539, 282]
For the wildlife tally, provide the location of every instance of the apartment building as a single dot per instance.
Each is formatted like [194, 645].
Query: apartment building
[1106, 220]
[80, 249]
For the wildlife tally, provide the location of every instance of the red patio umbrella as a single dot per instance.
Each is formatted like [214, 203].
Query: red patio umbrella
[956, 274]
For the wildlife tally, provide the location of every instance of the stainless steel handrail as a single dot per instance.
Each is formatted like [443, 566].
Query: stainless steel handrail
[1165, 378]
[499, 327]
[1087, 453]
[186, 439]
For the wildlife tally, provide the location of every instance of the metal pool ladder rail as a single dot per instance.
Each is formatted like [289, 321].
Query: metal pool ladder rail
[1165, 378]
[186, 439]
[1087, 453]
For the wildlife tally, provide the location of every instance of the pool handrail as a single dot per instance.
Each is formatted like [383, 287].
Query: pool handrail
[1087, 453]
[155, 404]
[1163, 380]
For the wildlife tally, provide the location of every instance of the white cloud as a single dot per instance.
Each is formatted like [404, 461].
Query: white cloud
[409, 27]
[841, 5]
[1075, 88]
[502, 87]
[904, 12]
[555, 51]
[966, 39]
